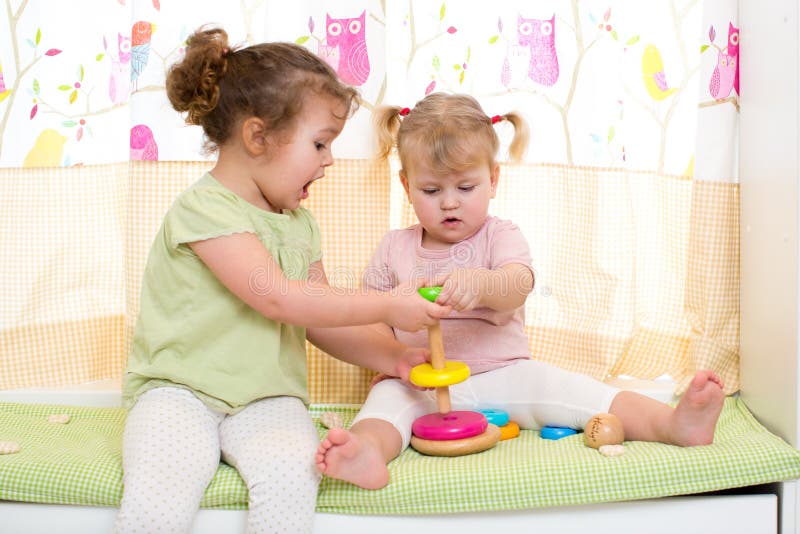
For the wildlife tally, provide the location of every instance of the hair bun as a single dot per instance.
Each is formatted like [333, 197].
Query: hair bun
[193, 82]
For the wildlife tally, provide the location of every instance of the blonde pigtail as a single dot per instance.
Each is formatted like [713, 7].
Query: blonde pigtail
[387, 122]
[519, 144]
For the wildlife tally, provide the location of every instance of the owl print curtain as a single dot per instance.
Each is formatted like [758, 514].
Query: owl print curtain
[628, 196]
[615, 84]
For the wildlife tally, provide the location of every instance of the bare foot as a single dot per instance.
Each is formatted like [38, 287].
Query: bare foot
[347, 456]
[695, 418]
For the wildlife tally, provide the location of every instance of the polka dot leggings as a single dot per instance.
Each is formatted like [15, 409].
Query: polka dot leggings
[171, 450]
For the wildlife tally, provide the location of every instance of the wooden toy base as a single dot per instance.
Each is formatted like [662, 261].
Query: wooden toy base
[458, 447]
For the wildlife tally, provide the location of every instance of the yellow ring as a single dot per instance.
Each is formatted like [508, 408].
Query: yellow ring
[426, 376]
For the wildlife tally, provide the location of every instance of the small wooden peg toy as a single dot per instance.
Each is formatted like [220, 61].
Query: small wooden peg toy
[58, 419]
[331, 420]
[612, 450]
[9, 447]
[603, 429]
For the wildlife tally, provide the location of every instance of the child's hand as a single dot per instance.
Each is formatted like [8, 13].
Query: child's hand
[410, 358]
[461, 288]
[409, 311]
[406, 360]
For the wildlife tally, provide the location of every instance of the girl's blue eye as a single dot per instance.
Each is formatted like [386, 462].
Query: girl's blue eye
[467, 187]
[429, 191]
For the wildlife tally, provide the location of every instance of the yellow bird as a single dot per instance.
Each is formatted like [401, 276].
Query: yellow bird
[653, 74]
[47, 150]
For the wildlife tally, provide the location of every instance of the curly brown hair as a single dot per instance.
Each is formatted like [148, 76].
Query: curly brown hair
[217, 86]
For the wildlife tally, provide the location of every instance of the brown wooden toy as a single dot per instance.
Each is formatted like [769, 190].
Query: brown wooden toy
[603, 429]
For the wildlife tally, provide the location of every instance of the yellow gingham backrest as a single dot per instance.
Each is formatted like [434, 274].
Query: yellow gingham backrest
[637, 273]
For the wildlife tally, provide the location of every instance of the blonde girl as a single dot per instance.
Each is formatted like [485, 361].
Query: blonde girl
[234, 284]
[447, 147]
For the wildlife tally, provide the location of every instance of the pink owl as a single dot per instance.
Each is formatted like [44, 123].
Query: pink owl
[348, 36]
[143, 144]
[733, 51]
[722, 80]
[539, 36]
[119, 84]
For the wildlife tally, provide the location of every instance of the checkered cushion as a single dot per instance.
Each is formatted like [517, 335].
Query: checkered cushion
[80, 463]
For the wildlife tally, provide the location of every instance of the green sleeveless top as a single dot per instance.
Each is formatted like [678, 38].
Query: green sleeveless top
[192, 332]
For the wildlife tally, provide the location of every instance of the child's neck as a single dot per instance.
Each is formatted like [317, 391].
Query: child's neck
[234, 176]
[431, 244]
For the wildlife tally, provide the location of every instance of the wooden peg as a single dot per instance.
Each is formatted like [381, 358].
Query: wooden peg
[437, 362]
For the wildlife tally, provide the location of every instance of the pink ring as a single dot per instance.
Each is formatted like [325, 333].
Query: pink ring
[452, 425]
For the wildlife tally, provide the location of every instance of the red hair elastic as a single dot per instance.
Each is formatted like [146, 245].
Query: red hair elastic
[404, 112]
[497, 118]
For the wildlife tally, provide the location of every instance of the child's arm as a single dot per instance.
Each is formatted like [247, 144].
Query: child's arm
[244, 266]
[502, 289]
[371, 346]
[366, 347]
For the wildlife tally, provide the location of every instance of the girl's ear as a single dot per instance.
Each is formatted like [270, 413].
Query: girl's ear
[404, 181]
[493, 179]
[254, 136]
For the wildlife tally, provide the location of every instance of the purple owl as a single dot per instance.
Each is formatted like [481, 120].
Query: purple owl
[348, 36]
[515, 65]
[119, 84]
[143, 144]
[539, 36]
[723, 77]
[733, 51]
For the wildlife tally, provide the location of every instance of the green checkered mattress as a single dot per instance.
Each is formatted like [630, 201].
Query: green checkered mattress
[80, 463]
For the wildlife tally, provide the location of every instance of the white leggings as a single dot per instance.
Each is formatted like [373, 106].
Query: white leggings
[171, 451]
[533, 393]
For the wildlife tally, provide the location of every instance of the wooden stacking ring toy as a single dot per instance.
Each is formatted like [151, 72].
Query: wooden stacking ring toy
[603, 429]
[447, 433]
